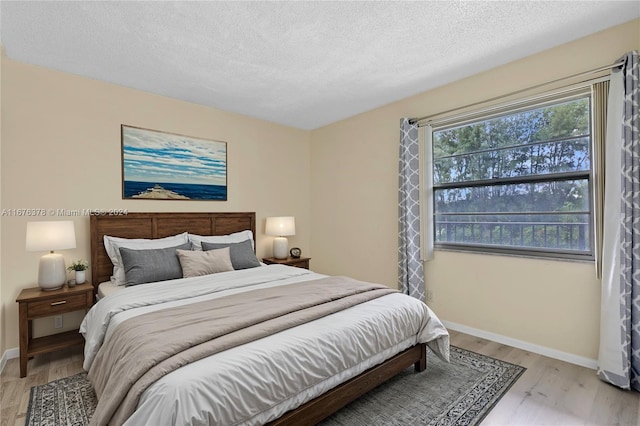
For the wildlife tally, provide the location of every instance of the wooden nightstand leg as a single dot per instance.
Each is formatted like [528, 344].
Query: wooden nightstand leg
[25, 335]
[23, 365]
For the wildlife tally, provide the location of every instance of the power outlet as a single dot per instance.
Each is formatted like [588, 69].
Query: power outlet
[57, 321]
[429, 295]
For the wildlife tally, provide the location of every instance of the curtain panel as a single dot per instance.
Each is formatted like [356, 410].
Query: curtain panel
[619, 354]
[410, 266]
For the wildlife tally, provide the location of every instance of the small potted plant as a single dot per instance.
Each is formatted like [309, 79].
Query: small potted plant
[80, 267]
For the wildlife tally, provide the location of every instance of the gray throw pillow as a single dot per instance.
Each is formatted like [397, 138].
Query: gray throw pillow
[242, 255]
[147, 266]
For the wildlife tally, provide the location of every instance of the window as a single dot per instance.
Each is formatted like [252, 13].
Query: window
[517, 182]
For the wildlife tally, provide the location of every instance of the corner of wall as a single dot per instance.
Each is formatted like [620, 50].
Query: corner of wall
[2, 321]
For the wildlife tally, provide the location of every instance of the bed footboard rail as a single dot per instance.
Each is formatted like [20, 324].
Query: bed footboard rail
[328, 403]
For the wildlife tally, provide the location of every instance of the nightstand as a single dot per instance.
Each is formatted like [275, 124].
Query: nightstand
[299, 262]
[35, 303]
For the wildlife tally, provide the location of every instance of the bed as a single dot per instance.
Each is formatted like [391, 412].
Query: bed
[299, 374]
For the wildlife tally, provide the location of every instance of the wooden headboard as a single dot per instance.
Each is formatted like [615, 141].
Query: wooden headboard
[157, 225]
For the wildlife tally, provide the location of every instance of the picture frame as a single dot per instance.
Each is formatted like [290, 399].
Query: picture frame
[160, 165]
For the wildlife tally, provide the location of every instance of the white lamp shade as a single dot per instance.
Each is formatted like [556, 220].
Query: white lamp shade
[281, 226]
[51, 235]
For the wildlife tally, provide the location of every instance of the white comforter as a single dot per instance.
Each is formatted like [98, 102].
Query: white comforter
[260, 381]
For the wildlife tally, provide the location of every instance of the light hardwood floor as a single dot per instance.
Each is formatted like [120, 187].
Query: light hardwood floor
[550, 392]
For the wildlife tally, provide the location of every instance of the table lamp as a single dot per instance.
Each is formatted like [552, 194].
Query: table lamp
[50, 236]
[281, 227]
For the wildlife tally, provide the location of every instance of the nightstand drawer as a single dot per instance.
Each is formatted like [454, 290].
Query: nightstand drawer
[300, 264]
[57, 305]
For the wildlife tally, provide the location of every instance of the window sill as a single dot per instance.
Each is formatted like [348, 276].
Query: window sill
[518, 255]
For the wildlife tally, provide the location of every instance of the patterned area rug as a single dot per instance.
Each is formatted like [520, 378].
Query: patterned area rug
[68, 401]
[459, 393]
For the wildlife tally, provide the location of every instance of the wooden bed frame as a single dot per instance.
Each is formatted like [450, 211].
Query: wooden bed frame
[158, 225]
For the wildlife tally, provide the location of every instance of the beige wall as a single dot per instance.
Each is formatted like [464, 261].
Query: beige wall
[354, 211]
[61, 149]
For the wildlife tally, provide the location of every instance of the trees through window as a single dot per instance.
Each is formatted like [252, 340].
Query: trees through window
[518, 182]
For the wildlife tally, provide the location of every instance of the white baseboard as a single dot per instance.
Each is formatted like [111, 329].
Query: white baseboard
[7, 355]
[520, 344]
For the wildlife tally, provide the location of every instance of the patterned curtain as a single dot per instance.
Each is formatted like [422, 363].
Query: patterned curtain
[619, 356]
[410, 267]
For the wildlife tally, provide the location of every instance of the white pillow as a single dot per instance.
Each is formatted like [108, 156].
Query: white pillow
[236, 237]
[112, 246]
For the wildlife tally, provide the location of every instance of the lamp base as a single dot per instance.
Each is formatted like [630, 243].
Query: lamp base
[51, 288]
[52, 273]
[280, 248]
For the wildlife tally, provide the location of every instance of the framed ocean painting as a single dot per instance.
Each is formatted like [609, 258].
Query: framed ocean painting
[167, 166]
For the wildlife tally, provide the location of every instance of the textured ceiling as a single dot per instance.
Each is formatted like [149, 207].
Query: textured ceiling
[303, 64]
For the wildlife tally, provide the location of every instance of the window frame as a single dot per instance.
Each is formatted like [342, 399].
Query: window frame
[513, 107]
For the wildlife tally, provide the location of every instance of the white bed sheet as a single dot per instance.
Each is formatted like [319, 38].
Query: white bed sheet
[259, 381]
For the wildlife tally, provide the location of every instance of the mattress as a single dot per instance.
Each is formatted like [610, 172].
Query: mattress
[260, 381]
[107, 288]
